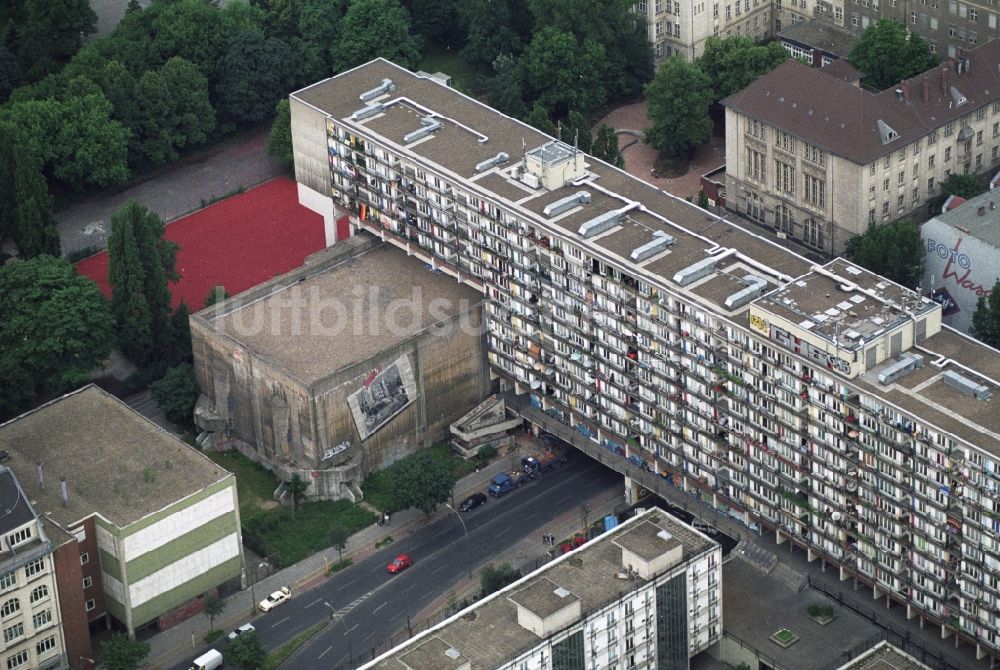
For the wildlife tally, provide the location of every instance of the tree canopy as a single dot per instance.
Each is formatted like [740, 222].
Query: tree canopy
[279, 140]
[563, 72]
[172, 111]
[55, 328]
[123, 653]
[176, 394]
[245, 651]
[732, 63]
[887, 53]
[424, 483]
[51, 32]
[893, 250]
[25, 205]
[679, 97]
[986, 318]
[254, 72]
[372, 28]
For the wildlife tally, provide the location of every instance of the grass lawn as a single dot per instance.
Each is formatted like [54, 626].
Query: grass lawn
[439, 59]
[254, 485]
[293, 537]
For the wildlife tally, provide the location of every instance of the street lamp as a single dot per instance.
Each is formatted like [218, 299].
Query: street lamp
[253, 592]
[347, 631]
[468, 552]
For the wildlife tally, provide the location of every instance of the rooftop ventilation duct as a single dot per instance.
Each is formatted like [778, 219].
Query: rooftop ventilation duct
[659, 242]
[565, 204]
[600, 224]
[365, 112]
[906, 364]
[966, 386]
[499, 159]
[755, 286]
[385, 87]
[429, 125]
[693, 273]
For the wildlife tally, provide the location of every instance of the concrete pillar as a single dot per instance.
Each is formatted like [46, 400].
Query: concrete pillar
[922, 622]
[875, 595]
[944, 632]
[844, 576]
[910, 612]
[777, 537]
[811, 555]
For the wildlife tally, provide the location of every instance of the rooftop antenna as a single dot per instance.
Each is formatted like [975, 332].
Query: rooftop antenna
[576, 141]
[559, 130]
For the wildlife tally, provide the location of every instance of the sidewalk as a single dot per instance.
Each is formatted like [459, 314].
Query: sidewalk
[187, 637]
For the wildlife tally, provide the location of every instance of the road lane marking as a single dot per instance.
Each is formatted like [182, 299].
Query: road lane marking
[380, 607]
[352, 628]
[280, 622]
[324, 653]
[439, 568]
[502, 532]
[318, 600]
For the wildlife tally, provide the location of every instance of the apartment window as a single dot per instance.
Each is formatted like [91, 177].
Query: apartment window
[871, 216]
[932, 45]
[885, 184]
[887, 162]
[899, 179]
[729, 12]
[755, 209]
[756, 165]
[980, 114]
[815, 191]
[932, 138]
[930, 185]
[12, 606]
[854, 20]
[885, 208]
[979, 161]
[971, 36]
[784, 141]
[913, 17]
[659, 28]
[39, 593]
[930, 160]
[979, 137]
[33, 568]
[659, 6]
[953, 6]
[88, 582]
[84, 558]
[756, 129]
[42, 619]
[46, 645]
[13, 633]
[992, 21]
[90, 605]
[949, 128]
[18, 537]
[947, 154]
[973, 15]
[715, 11]
[783, 220]
[871, 169]
[677, 30]
[8, 581]
[916, 193]
[784, 177]
[813, 233]
[17, 660]
[899, 202]
[641, 7]
[995, 152]
[934, 23]
[839, 13]
[815, 155]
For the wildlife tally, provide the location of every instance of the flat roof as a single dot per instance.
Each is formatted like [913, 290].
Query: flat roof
[884, 656]
[116, 462]
[488, 633]
[978, 217]
[317, 320]
[542, 597]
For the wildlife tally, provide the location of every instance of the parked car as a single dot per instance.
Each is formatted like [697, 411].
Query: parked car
[275, 599]
[472, 502]
[245, 628]
[400, 563]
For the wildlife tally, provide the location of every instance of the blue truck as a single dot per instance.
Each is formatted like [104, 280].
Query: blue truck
[506, 482]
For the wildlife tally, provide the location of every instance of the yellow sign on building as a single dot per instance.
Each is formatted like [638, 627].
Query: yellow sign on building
[760, 324]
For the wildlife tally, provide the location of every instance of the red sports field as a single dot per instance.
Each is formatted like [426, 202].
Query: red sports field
[237, 243]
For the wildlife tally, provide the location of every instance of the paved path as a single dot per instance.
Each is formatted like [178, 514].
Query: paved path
[174, 190]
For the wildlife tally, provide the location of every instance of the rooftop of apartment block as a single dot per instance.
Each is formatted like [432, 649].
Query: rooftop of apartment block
[326, 316]
[488, 634]
[978, 217]
[862, 126]
[821, 35]
[114, 461]
[758, 605]
[884, 656]
[738, 260]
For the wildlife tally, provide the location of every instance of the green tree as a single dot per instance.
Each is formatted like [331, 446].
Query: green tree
[732, 63]
[339, 535]
[172, 111]
[576, 129]
[373, 28]
[425, 483]
[245, 652]
[51, 32]
[539, 118]
[253, 74]
[963, 185]
[893, 250]
[176, 394]
[317, 23]
[216, 294]
[279, 140]
[180, 326]
[605, 146]
[297, 487]
[10, 73]
[562, 72]
[25, 205]
[490, 31]
[679, 97]
[986, 318]
[127, 279]
[192, 29]
[157, 262]
[887, 53]
[55, 327]
[505, 89]
[442, 21]
[492, 578]
[213, 605]
[120, 652]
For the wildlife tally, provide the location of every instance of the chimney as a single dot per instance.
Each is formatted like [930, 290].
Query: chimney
[906, 90]
[944, 81]
[41, 478]
[927, 90]
[981, 211]
[899, 94]
[64, 491]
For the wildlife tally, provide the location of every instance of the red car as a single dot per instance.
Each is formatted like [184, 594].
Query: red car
[399, 563]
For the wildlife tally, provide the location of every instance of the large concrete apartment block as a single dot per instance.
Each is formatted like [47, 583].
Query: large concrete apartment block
[646, 595]
[821, 403]
[819, 160]
[159, 519]
[340, 367]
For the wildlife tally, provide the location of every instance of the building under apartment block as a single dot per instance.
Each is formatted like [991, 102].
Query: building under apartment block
[646, 595]
[822, 403]
[155, 524]
[819, 160]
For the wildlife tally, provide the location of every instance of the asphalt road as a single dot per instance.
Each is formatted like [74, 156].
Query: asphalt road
[367, 605]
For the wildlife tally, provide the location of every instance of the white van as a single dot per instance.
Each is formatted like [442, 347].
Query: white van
[210, 660]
